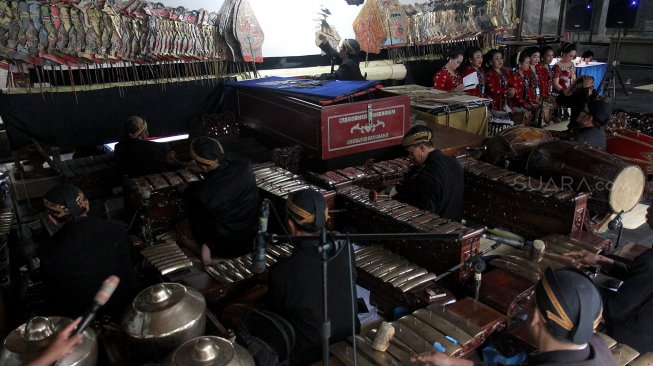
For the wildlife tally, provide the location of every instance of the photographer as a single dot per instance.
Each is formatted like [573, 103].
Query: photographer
[575, 98]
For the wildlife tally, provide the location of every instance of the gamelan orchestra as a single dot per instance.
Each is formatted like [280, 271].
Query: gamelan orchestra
[449, 184]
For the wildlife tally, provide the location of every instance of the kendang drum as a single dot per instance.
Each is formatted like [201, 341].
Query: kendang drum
[210, 350]
[27, 341]
[615, 185]
[632, 146]
[514, 142]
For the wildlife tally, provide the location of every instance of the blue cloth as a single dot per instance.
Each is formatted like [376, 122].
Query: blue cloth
[596, 71]
[492, 356]
[328, 89]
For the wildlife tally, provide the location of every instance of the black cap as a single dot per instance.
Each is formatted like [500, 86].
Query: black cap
[600, 111]
[308, 209]
[65, 200]
[569, 303]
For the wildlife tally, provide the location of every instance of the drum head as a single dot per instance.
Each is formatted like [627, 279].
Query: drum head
[627, 189]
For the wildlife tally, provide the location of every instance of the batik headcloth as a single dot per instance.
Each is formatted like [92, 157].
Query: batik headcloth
[308, 209]
[351, 46]
[135, 127]
[206, 150]
[65, 200]
[417, 135]
[570, 304]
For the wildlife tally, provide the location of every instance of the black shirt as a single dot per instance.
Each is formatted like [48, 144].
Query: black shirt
[78, 258]
[437, 187]
[596, 353]
[295, 292]
[348, 69]
[223, 208]
[136, 158]
[576, 102]
[592, 136]
[630, 311]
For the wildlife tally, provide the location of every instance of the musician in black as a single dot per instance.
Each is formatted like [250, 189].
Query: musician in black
[576, 97]
[629, 311]
[348, 58]
[137, 156]
[295, 284]
[84, 251]
[438, 183]
[590, 122]
[565, 310]
[223, 207]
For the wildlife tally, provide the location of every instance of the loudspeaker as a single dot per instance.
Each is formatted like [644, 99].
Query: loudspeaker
[622, 13]
[578, 15]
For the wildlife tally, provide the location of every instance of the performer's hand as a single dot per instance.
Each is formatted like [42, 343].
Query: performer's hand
[171, 156]
[435, 358]
[584, 258]
[511, 92]
[458, 88]
[61, 346]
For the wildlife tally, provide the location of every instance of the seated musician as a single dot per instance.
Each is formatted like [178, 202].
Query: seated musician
[223, 207]
[575, 98]
[136, 156]
[295, 284]
[525, 98]
[629, 311]
[81, 255]
[348, 57]
[438, 185]
[448, 78]
[561, 319]
[590, 122]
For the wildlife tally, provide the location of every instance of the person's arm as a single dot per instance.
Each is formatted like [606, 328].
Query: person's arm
[435, 358]
[441, 81]
[426, 194]
[518, 98]
[610, 266]
[61, 346]
[344, 72]
[557, 87]
[330, 51]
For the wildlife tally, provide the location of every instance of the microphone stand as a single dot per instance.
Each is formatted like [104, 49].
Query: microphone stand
[617, 223]
[469, 261]
[479, 267]
[274, 238]
[326, 323]
[324, 247]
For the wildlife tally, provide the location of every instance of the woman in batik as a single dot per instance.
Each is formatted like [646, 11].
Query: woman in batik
[474, 64]
[448, 78]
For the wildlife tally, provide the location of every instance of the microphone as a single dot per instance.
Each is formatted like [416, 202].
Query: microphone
[500, 239]
[479, 267]
[108, 287]
[616, 222]
[258, 264]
